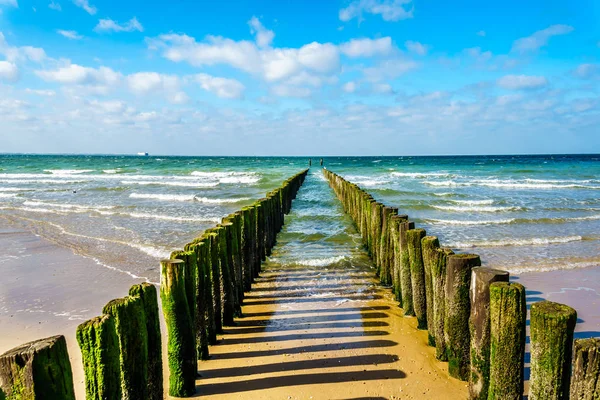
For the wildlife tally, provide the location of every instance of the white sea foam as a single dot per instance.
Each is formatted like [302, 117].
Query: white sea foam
[239, 179]
[551, 267]
[35, 203]
[221, 201]
[473, 202]
[12, 189]
[419, 174]
[68, 171]
[517, 184]
[517, 242]
[474, 222]
[7, 195]
[475, 208]
[321, 262]
[163, 197]
[110, 171]
[173, 183]
[46, 181]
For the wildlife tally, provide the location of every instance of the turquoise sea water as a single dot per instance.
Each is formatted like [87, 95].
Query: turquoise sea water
[521, 213]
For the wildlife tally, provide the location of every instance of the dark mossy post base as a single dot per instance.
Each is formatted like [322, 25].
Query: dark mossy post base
[181, 347]
[551, 330]
[458, 310]
[417, 275]
[130, 323]
[37, 370]
[147, 292]
[405, 276]
[99, 346]
[508, 315]
[479, 326]
[585, 382]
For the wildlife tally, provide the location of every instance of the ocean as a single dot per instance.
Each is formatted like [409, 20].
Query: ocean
[519, 213]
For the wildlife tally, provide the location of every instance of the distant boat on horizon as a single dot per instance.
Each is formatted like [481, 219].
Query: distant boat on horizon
[142, 154]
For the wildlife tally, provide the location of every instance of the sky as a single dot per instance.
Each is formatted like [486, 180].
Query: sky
[348, 77]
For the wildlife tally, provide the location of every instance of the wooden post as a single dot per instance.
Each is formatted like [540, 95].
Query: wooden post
[99, 344]
[37, 370]
[458, 309]
[429, 248]
[130, 321]
[181, 347]
[417, 275]
[551, 331]
[385, 257]
[405, 275]
[479, 327]
[585, 382]
[204, 304]
[147, 292]
[438, 277]
[508, 315]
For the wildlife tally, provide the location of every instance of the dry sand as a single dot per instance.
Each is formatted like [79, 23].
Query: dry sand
[324, 333]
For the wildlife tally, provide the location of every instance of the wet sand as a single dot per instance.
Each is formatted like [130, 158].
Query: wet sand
[48, 290]
[323, 333]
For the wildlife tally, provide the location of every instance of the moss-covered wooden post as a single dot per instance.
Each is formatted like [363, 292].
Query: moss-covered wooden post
[438, 277]
[147, 292]
[37, 370]
[508, 315]
[248, 231]
[130, 322]
[429, 248]
[203, 297]
[479, 327]
[181, 346]
[417, 275]
[226, 264]
[216, 322]
[99, 344]
[585, 382]
[385, 257]
[551, 330]
[458, 310]
[405, 276]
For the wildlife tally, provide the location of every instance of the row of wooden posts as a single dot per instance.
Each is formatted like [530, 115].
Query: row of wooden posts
[201, 290]
[475, 317]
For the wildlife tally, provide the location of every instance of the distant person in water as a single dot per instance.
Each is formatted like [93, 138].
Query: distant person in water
[309, 162]
[321, 162]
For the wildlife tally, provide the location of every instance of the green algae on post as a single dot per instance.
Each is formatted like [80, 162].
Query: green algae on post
[99, 344]
[438, 277]
[37, 370]
[405, 276]
[130, 322]
[585, 382]
[508, 315]
[429, 249]
[551, 330]
[417, 275]
[479, 327]
[147, 292]
[181, 346]
[458, 309]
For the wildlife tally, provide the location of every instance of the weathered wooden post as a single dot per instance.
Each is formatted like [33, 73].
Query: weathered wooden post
[405, 275]
[181, 347]
[479, 327]
[429, 248]
[585, 382]
[417, 275]
[227, 295]
[215, 324]
[385, 257]
[203, 297]
[508, 315]
[99, 344]
[458, 310]
[551, 330]
[130, 322]
[37, 370]
[438, 277]
[147, 292]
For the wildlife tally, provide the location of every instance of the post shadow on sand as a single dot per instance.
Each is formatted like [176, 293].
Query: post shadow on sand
[296, 380]
[314, 300]
[331, 325]
[300, 336]
[333, 310]
[313, 319]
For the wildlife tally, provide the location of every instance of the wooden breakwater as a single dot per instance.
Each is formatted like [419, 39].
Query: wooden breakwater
[475, 317]
[202, 289]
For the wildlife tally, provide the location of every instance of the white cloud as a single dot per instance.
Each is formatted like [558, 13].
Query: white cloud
[222, 87]
[390, 10]
[8, 71]
[264, 36]
[540, 38]
[416, 47]
[272, 64]
[481, 33]
[74, 74]
[15, 54]
[349, 87]
[108, 25]
[45, 93]
[291, 91]
[382, 88]
[73, 35]
[389, 69]
[86, 6]
[12, 3]
[367, 47]
[143, 83]
[587, 71]
[54, 6]
[520, 82]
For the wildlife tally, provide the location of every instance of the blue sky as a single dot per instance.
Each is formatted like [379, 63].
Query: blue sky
[360, 77]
